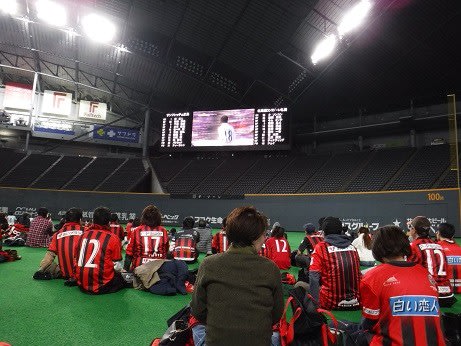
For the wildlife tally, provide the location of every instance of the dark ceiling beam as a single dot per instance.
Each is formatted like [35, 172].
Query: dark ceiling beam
[221, 48]
[33, 46]
[168, 52]
[321, 15]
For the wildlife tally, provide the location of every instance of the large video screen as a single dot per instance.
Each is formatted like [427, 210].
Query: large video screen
[235, 129]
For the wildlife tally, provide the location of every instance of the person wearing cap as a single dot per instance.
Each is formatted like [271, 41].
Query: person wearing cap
[311, 239]
[445, 235]
[430, 255]
[334, 274]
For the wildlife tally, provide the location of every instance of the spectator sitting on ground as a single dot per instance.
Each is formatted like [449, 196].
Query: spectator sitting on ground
[334, 273]
[62, 245]
[312, 238]
[398, 298]
[219, 242]
[3, 223]
[187, 237]
[16, 235]
[363, 245]
[238, 294]
[204, 245]
[430, 255]
[95, 254]
[116, 228]
[11, 218]
[445, 235]
[148, 242]
[278, 249]
[40, 230]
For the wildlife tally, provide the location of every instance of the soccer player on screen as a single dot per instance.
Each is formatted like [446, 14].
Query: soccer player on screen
[226, 132]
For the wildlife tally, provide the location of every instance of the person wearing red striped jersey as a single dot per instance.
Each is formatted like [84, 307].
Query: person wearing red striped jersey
[95, 254]
[220, 243]
[445, 234]
[148, 242]
[278, 249]
[334, 273]
[62, 245]
[186, 240]
[430, 255]
[398, 298]
[116, 228]
[312, 238]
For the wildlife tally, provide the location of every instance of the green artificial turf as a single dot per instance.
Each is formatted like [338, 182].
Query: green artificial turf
[48, 313]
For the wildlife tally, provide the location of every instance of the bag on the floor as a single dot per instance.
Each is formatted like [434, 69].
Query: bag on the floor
[179, 332]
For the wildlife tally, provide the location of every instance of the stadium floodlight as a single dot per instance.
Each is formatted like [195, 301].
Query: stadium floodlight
[354, 17]
[51, 12]
[9, 6]
[324, 48]
[98, 28]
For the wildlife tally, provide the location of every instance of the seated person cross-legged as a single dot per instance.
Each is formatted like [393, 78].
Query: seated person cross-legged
[238, 294]
[399, 298]
[334, 273]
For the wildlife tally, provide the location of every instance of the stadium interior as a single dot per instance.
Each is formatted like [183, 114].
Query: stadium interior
[106, 101]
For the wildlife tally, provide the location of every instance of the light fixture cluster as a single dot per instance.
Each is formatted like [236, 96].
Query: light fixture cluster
[96, 27]
[297, 81]
[141, 46]
[223, 82]
[190, 66]
[350, 22]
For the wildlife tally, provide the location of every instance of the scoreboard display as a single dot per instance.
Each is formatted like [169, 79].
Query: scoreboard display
[234, 129]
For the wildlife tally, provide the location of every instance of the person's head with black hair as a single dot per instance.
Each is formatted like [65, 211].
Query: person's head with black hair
[446, 231]
[332, 225]
[101, 216]
[309, 228]
[419, 227]
[278, 232]
[11, 213]
[224, 119]
[172, 231]
[43, 212]
[74, 215]
[24, 220]
[202, 223]
[246, 227]
[321, 222]
[113, 217]
[188, 222]
[390, 244]
[151, 216]
[136, 222]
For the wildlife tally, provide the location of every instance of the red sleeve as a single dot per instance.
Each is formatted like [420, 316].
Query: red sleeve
[215, 242]
[316, 259]
[369, 301]
[129, 247]
[53, 247]
[116, 248]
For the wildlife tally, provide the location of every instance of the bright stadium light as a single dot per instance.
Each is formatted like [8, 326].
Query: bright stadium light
[9, 6]
[51, 12]
[324, 49]
[98, 28]
[354, 18]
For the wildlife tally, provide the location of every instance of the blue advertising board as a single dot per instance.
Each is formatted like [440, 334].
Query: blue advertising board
[117, 134]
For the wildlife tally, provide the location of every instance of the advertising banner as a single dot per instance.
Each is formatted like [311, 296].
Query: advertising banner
[53, 126]
[17, 96]
[92, 110]
[117, 134]
[57, 102]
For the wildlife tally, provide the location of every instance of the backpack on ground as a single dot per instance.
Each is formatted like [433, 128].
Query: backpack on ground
[179, 331]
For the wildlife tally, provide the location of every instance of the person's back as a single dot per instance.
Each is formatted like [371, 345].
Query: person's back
[226, 132]
[452, 250]
[186, 240]
[431, 256]
[204, 244]
[95, 254]
[40, 230]
[63, 245]
[219, 242]
[335, 266]
[363, 245]
[116, 228]
[278, 249]
[11, 218]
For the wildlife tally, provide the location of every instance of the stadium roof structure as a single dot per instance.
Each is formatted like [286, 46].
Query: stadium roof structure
[171, 55]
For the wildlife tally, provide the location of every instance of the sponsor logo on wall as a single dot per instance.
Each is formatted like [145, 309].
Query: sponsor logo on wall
[117, 134]
[92, 110]
[57, 102]
[22, 210]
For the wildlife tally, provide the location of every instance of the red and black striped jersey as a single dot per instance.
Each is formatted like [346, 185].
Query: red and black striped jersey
[118, 230]
[146, 244]
[63, 243]
[185, 248]
[402, 298]
[310, 241]
[453, 253]
[431, 256]
[220, 243]
[278, 250]
[339, 270]
[95, 254]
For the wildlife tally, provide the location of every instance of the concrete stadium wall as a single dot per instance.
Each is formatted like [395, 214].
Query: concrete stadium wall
[292, 211]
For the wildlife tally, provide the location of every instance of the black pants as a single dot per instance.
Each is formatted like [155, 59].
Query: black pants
[116, 284]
